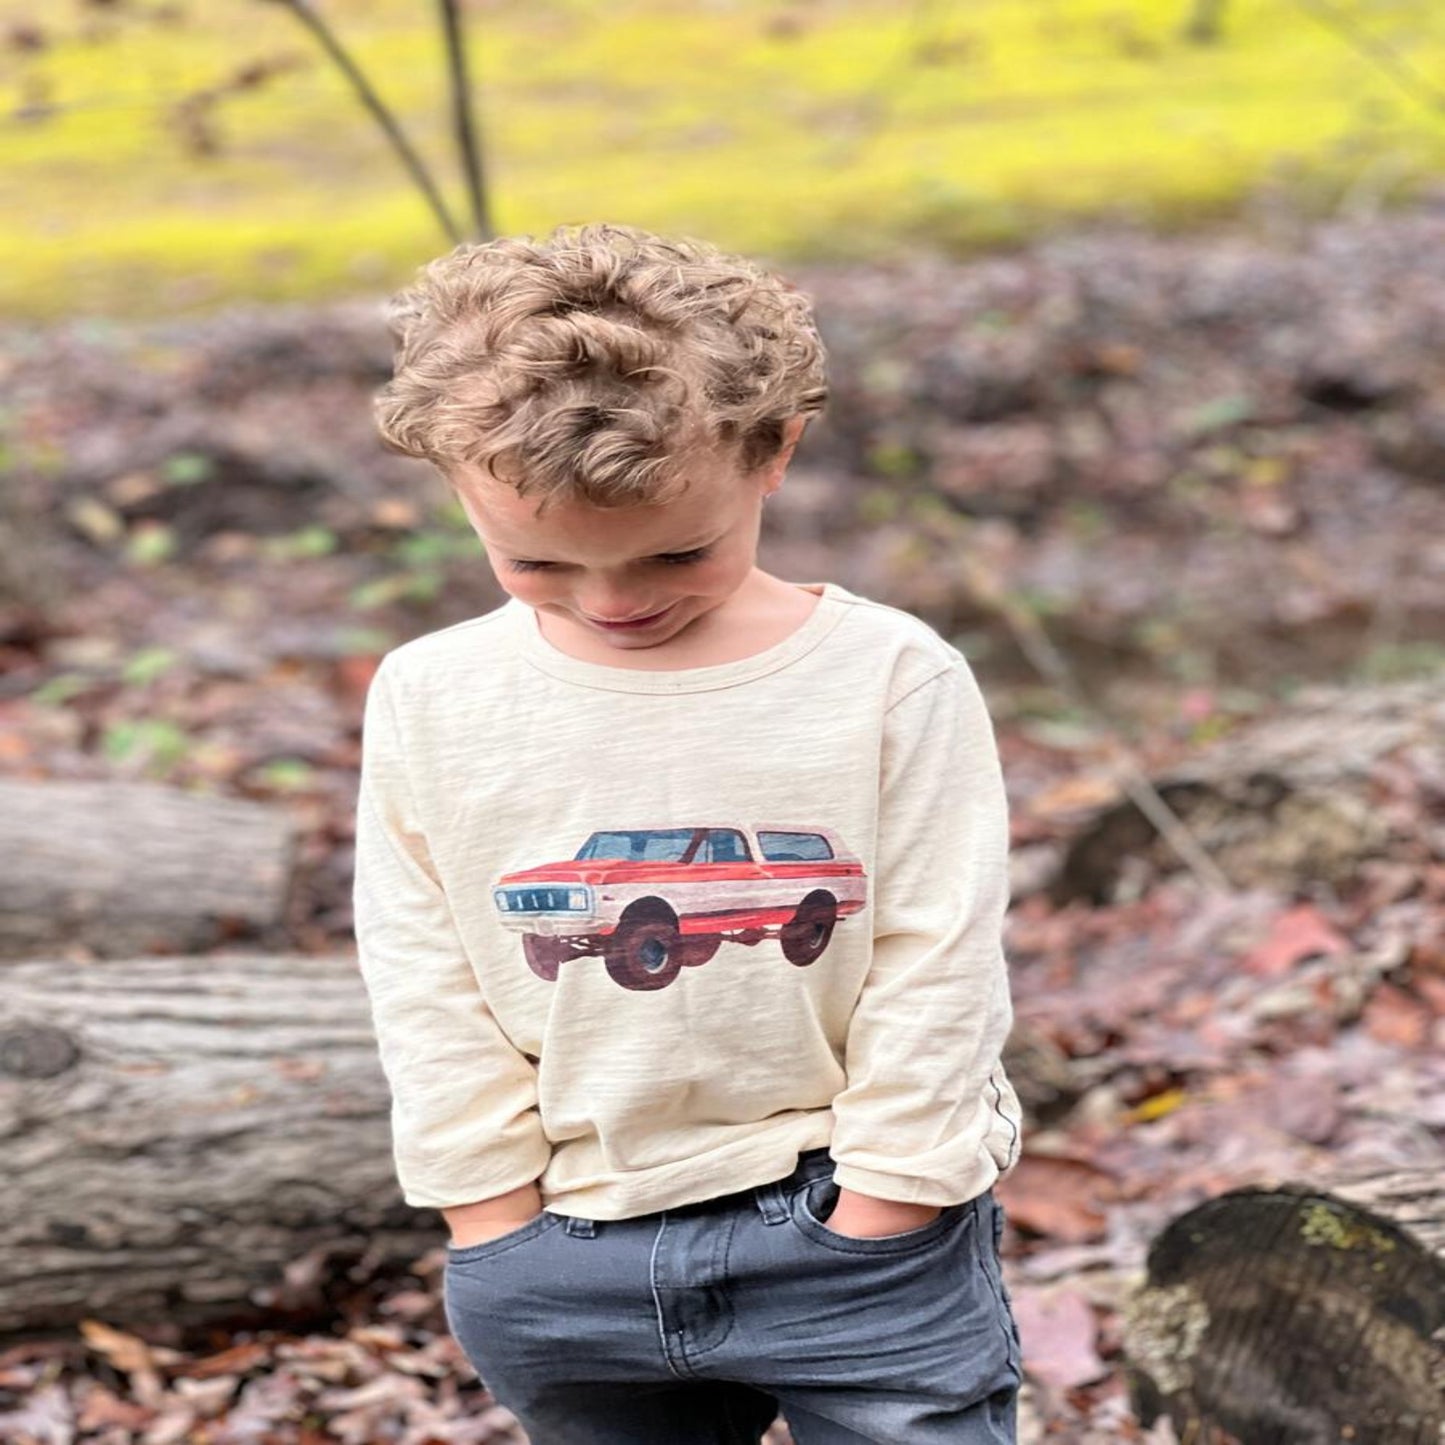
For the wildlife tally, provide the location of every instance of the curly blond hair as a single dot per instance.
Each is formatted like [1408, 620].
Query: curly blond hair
[594, 365]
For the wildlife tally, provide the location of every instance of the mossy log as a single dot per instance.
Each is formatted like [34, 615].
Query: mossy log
[129, 868]
[1298, 1316]
[191, 1139]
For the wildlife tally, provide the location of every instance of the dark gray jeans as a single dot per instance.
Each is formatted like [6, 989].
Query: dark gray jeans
[693, 1326]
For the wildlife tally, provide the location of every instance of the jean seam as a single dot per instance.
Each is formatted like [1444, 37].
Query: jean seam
[659, 1313]
[993, 1270]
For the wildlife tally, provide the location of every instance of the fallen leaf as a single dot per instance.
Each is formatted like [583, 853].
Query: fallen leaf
[395, 512]
[354, 673]
[93, 518]
[171, 1427]
[1058, 1330]
[409, 1304]
[1432, 993]
[1078, 793]
[1393, 1016]
[1156, 1107]
[1058, 1196]
[207, 1397]
[128, 1353]
[134, 1357]
[45, 1418]
[101, 1409]
[379, 1337]
[234, 1361]
[1295, 935]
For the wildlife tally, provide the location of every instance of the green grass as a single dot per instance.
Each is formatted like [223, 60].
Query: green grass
[793, 129]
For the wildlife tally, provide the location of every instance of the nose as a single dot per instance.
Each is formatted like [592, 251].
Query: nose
[609, 606]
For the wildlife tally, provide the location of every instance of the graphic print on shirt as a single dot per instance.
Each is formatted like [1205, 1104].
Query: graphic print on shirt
[653, 901]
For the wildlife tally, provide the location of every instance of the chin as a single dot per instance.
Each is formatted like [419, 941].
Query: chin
[668, 628]
[685, 612]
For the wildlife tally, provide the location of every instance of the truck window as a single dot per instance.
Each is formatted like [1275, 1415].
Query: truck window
[725, 845]
[794, 847]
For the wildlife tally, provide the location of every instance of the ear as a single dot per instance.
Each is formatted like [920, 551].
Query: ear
[771, 473]
[792, 433]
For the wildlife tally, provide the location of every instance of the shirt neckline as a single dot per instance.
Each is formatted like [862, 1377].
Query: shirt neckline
[541, 654]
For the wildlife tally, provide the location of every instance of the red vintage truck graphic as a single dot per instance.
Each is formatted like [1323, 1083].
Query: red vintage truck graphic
[653, 901]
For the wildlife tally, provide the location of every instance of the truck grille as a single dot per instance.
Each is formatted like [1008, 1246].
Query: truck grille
[536, 900]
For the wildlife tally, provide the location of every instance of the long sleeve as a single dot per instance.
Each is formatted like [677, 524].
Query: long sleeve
[464, 1114]
[927, 1115]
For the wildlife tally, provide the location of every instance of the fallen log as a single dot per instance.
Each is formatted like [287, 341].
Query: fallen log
[1297, 1316]
[1290, 797]
[178, 1131]
[130, 868]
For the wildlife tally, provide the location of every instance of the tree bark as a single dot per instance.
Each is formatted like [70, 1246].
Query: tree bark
[128, 868]
[176, 1131]
[1298, 1316]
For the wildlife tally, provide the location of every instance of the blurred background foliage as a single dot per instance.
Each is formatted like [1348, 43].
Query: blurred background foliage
[164, 155]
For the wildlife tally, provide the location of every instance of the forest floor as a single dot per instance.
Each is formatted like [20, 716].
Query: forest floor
[1156, 489]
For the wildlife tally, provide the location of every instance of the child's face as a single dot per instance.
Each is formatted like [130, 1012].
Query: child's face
[593, 565]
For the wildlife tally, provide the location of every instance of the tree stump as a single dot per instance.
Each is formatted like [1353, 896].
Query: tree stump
[178, 1131]
[130, 868]
[1298, 1316]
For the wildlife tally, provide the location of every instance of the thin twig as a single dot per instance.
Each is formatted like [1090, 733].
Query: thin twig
[1046, 658]
[310, 17]
[463, 118]
[1378, 52]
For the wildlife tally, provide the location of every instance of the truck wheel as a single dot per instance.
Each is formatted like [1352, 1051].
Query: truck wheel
[806, 934]
[544, 955]
[698, 948]
[645, 954]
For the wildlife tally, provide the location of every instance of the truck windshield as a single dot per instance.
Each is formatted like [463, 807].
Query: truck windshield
[648, 845]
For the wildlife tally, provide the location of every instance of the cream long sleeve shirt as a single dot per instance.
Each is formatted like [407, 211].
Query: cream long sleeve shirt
[644, 936]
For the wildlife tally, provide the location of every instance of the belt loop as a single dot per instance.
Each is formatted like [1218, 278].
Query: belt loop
[772, 1202]
[582, 1228]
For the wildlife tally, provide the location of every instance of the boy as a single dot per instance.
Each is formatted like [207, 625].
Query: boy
[679, 889]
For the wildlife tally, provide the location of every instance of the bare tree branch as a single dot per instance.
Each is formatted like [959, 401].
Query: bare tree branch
[463, 118]
[306, 12]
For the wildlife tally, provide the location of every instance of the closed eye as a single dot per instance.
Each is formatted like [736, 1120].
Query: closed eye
[671, 559]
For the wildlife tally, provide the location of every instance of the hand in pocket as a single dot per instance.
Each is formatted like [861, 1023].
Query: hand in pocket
[482, 1231]
[860, 1216]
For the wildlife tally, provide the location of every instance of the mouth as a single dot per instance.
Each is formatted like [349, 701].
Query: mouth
[633, 622]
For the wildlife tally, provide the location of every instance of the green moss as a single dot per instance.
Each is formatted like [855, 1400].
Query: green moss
[848, 131]
[1322, 1225]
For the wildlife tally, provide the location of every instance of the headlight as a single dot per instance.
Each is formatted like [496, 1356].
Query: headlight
[578, 899]
[504, 901]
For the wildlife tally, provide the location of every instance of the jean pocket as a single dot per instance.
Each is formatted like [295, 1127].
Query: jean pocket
[534, 1228]
[814, 1203]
